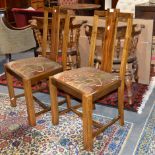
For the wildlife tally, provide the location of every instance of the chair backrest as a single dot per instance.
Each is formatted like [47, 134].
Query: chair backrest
[58, 17]
[111, 21]
[73, 36]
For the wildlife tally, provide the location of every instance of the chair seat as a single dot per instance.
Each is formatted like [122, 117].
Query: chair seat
[31, 67]
[78, 79]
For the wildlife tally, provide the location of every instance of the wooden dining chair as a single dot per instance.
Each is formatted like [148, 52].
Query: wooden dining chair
[89, 84]
[32, 70]
[132, 63]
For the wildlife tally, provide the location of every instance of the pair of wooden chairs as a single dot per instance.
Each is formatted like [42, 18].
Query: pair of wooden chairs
[86, 83]
[89, 84]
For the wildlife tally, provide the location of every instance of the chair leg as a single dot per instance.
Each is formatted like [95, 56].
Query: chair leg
[87, 105]
[29, 102]
[70, 62]
[78, 60]
[11, 89]
[68, 100]
[121, 104]
[128, 83]
[135, 70]
[54, 103]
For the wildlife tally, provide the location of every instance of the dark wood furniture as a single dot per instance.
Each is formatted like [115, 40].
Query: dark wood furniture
[88, 84]
[33, 70]
[146, 11]
[9, 4]
[37, 4]
[2, 3]
[83, 9]
[22, 16]
[114, 3]
[101, 2]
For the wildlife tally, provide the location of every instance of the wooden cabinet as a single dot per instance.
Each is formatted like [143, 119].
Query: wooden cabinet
[101, 2]
[37, 4]
[2, 3]
[9, 4]
[146, 11]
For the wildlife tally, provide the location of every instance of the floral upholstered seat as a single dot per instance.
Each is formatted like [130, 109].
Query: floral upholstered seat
[87, 80]
[35, 66]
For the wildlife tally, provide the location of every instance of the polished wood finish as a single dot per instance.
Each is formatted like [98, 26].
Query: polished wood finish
[2, 3]
[73, 54]
[131, 72]
[100, 2]
[33, 70]
[88, 84]
[37, 4]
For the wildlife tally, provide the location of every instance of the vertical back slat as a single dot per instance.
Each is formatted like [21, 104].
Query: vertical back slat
[55, 33]
[126, 45]
[65, 41]
[109, 41]
[93, 41]
[45, 31]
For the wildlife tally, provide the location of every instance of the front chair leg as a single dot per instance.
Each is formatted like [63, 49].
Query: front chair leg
[11, 89]
[29, 102]
[54, 103]
[87, 106]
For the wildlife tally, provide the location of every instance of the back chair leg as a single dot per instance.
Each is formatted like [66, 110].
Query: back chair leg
[11, 89]
[29, 102]
[78, 60]
[135, 70]
[128, 83]
[121, 105]
[68, 100]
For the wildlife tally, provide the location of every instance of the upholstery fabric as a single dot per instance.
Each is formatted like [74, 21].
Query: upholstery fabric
[15, 41]
[78, 78]
[30, 67]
